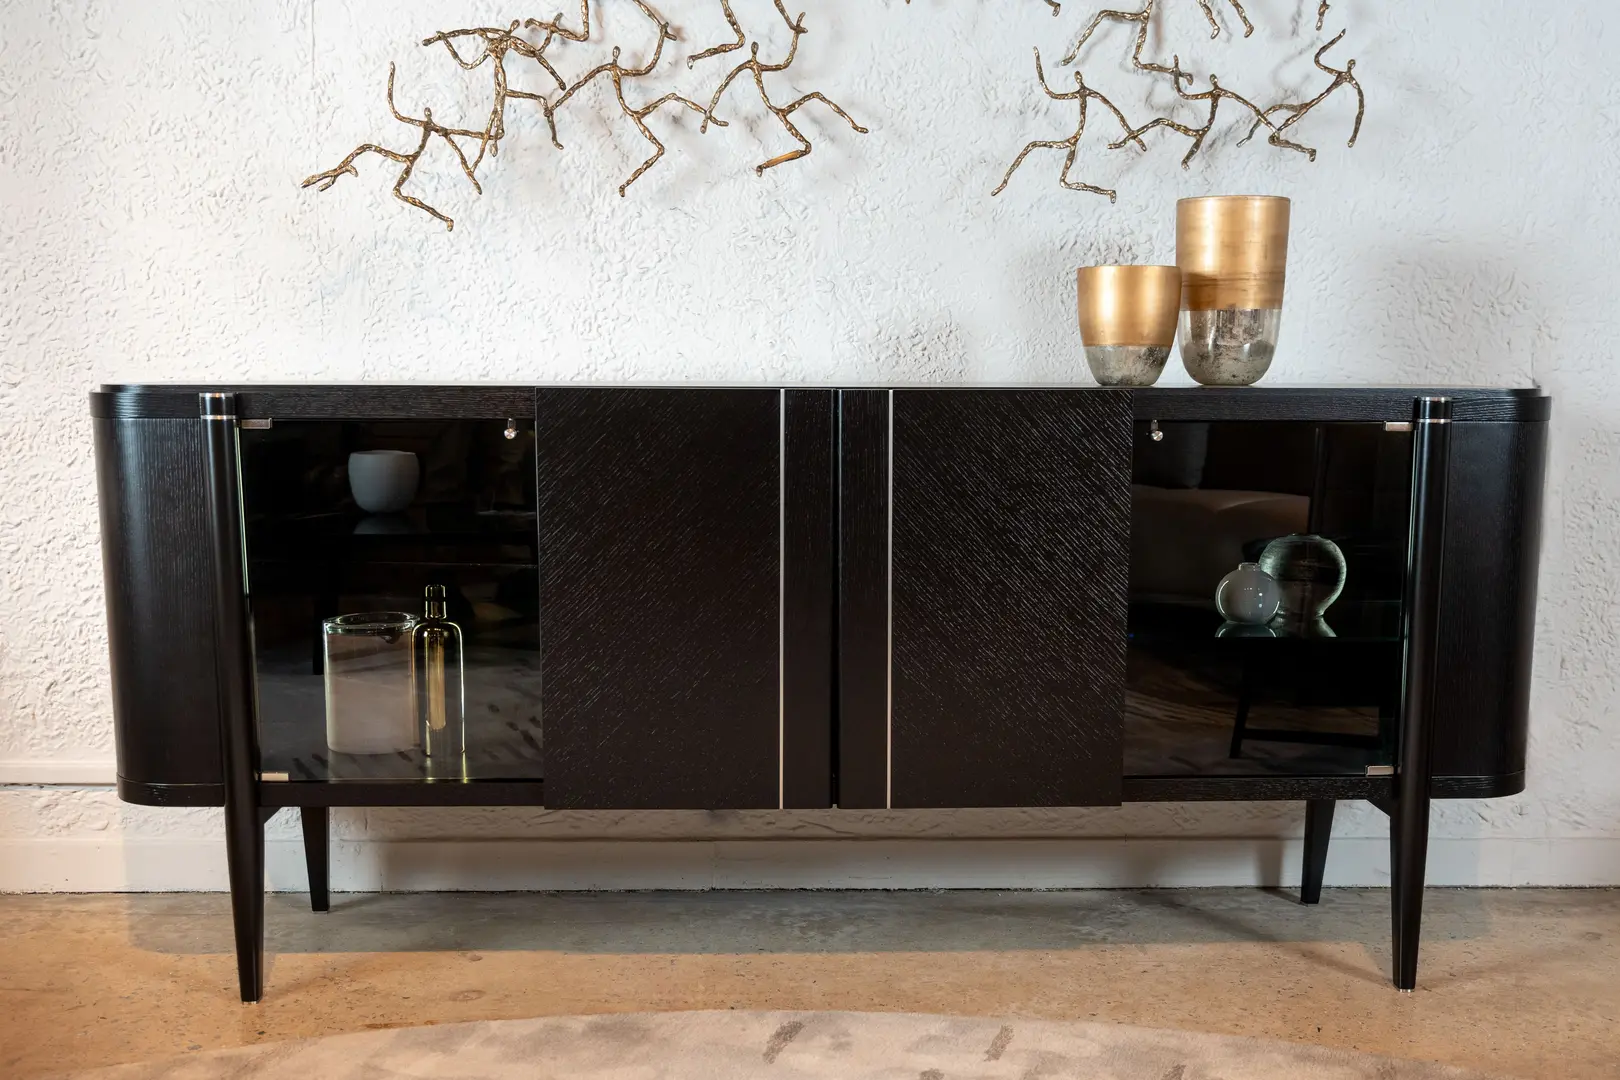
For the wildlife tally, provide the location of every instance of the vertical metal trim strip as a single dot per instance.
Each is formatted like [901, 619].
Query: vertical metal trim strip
[888, 689]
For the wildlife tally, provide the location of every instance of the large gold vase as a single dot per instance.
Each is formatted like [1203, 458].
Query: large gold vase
[1128, 321]
[1233, 255]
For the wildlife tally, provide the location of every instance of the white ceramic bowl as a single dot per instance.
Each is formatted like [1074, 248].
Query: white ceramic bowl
[383, 481]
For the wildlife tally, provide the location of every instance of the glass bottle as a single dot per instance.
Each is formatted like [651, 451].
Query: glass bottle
[441, 689]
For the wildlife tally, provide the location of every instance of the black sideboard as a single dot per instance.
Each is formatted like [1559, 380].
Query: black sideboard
[811, 598]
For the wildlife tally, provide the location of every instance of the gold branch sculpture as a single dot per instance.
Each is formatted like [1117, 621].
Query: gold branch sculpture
[795, 27]
[759, 69]
[617, 73]
[1345, 76]
[495, 46]
[1057, 8]
[1084, 95]
[1214, 95]
[530, 40]
[409, 160]
[1215, 27]
[1143, 19]
[1183, 82]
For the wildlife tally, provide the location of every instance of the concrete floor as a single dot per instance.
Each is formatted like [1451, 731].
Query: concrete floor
[1523, 982]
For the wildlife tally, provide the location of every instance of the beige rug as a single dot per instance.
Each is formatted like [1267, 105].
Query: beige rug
[784, 1046]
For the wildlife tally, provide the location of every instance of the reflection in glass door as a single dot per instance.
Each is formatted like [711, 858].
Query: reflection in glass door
[393, 572]
[1303, 694]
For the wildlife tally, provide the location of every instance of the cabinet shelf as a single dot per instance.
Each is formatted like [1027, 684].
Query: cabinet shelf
[504, 739]
[450, 536]
[1368, 621]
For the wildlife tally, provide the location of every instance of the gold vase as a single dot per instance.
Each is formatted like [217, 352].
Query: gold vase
[1233, 255]
[1128, 321]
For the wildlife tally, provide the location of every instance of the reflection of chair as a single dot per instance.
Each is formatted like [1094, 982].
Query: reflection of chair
[1241, 730]
[1184, 540]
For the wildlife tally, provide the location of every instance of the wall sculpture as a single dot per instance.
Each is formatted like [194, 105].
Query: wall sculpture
[531, 40]
[1279, 119]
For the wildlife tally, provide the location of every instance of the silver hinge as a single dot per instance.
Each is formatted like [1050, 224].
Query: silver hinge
[1397, 425]
[1380, 770]
[257, 425]
[274, 777]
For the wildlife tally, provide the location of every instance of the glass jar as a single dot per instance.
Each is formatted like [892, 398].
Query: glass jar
[370, 683]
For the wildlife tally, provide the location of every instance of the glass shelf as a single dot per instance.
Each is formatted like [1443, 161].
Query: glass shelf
[436, 534]
[503, 722]
[1364, 621]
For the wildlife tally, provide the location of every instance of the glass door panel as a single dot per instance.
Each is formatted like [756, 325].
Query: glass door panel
[1297, 696]
[452, 506]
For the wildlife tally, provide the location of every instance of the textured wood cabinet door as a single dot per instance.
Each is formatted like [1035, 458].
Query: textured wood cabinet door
[983, 561]
[685, 597]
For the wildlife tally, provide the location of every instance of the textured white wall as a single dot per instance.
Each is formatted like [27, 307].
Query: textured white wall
[152, 227]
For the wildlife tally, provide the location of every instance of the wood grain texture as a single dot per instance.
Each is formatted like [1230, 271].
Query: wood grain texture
[1010, 564]
[659, 597]
[314, 401]
[146, 794]
[158, 569]
[1488, 599]
[403, 793]
[1476, 787]
[807, 596]
[1328, 404]
[863, 604]
[1254, 788]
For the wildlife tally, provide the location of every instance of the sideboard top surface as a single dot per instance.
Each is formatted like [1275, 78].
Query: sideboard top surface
[405, 401]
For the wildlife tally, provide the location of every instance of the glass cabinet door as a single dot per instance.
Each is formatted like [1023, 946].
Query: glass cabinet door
[393, 574]
[1325, 508]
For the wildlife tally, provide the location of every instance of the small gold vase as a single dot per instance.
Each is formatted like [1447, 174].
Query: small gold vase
[1128, 321]
[1233, 255]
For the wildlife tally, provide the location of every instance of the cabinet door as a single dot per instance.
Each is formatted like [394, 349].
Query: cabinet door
[686, 597]
[983, 551]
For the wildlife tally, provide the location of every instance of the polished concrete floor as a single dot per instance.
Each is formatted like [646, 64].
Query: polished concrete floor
[1524, 982]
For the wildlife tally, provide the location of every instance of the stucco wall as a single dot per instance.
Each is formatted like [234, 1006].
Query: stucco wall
[152, 227]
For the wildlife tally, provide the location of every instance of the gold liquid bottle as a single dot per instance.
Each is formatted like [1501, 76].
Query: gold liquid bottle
[441, 694]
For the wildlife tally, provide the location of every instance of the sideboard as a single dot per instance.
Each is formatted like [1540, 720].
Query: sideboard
[794, 598]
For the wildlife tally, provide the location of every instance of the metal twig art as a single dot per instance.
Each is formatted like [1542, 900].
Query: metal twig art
[429, 130]
[531, 40]
[1215, 26]
[617, 73]
[759, 69]
[1345, 76]
[1183, 82]
[1057, 8]
[1084, 95]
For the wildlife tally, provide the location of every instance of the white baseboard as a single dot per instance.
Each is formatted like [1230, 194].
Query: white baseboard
[58, 773]
[157, 865]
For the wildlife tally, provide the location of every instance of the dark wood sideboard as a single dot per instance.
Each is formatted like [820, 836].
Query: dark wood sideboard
[811, 598]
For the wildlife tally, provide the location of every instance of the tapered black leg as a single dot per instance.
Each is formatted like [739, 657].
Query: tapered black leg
[317, 855]
[233, 669]
[1318, 831]
[244, 852]
[1410, 826]
[1394, 897]
[1241, 722]
[1409, 820]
